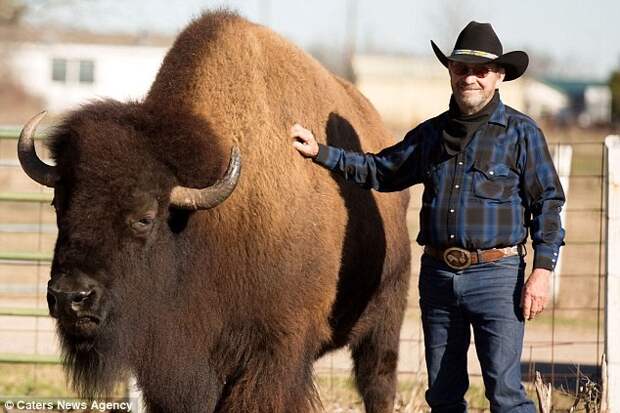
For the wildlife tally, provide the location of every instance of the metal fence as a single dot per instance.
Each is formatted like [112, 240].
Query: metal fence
[565, 344]
[29, 361]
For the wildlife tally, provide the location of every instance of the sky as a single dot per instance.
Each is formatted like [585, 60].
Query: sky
[582, 37]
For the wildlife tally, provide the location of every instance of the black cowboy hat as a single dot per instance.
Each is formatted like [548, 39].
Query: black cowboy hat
[478, 43]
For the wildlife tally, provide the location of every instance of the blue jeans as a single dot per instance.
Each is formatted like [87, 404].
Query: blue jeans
[485, 296]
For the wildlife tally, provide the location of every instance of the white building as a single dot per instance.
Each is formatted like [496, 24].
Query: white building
[544, 101]
[589, 100]
[597, 101]
[67, 69]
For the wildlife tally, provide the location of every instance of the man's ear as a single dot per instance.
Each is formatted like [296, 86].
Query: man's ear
[502, 75]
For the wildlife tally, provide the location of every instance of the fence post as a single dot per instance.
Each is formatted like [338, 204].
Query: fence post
[612, 293]
[135, 396]
[562, 160]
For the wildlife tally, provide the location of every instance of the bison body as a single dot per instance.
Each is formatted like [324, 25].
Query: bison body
[225, 309]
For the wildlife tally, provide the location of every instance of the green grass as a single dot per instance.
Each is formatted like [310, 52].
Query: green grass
[33, 380]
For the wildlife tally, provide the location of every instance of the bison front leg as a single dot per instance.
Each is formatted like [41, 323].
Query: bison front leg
[193, 388]
[266, 384]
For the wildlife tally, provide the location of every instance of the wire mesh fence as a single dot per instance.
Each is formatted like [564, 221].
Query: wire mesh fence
[566, 343]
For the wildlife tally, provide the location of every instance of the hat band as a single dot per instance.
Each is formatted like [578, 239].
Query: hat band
[474, 53]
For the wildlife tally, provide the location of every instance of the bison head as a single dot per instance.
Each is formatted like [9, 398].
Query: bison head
[120, 243]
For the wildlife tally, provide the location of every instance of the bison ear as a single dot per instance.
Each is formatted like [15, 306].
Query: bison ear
[178, 219]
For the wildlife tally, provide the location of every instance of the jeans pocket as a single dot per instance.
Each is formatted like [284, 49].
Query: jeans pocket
[514, 262]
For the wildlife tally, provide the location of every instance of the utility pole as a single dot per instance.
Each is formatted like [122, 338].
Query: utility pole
[351, 36]
[265, 11]
[351, 24]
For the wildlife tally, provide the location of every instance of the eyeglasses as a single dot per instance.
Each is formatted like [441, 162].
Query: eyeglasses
[460, 69]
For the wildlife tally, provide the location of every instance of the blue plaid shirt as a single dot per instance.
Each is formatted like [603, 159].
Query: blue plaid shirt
[486, 196]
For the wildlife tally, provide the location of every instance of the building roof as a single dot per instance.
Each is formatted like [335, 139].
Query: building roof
[572, 87]
[30, 34]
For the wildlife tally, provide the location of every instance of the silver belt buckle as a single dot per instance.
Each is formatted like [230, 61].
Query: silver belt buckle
[457, 258]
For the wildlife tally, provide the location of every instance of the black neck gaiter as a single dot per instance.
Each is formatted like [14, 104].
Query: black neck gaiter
[459, 128]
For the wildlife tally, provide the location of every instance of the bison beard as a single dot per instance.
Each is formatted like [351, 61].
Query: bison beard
[94, 365]
[223, 308]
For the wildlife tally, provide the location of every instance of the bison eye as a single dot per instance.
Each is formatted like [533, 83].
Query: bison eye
[143, 225]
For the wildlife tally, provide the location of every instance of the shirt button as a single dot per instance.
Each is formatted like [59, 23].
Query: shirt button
[460, 163]
[451, 210]
[456, 186]
[451, 236]
[555, 253]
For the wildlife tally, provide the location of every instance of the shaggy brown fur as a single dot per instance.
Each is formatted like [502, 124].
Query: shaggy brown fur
[225, 310]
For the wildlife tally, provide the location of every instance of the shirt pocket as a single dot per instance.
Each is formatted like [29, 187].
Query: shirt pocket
[494, 181]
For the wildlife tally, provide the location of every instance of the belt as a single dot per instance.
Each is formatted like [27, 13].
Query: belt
[459, 258]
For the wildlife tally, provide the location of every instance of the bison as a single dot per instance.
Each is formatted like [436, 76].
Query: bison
[200, 253]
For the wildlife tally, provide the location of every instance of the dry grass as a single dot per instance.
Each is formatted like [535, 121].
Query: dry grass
[33, 380]
[42, 383]
[338, 395]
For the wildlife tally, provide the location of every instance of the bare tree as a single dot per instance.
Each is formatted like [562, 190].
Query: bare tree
[12, 12]
[450, 19]
[333, 59]
[14, 100]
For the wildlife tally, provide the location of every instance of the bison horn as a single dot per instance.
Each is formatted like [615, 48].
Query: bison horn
[34, 167]
[206, 198]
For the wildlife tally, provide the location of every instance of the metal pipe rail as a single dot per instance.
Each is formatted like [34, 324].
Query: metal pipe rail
[29, 197]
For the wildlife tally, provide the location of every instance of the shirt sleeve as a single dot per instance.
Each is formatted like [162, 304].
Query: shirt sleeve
[545, 198]
[393, 169]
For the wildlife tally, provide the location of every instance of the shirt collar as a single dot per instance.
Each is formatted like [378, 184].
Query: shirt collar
[499, 116]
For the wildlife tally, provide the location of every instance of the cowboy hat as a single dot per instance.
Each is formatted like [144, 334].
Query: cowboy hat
[478, 43]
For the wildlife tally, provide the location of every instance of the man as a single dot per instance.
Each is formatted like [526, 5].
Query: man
[488, 178]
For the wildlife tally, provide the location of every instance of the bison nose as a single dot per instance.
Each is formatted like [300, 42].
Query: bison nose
[80, 298]
[71, 301]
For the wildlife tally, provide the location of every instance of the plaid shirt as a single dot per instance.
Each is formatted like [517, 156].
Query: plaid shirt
[486, 196]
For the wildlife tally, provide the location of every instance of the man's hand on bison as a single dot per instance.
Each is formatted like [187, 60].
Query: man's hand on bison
[304, 141]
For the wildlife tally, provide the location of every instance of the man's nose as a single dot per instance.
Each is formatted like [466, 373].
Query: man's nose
[469, 78]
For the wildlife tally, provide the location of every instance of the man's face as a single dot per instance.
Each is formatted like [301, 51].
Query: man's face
[473, 85]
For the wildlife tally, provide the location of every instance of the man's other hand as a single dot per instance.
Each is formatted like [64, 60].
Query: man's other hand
[535, 294]
[304, 141]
